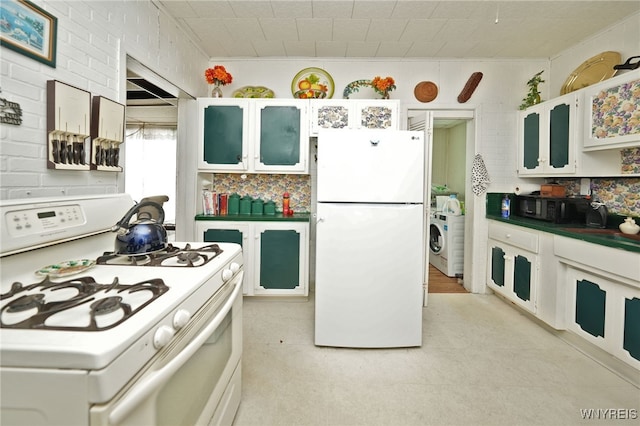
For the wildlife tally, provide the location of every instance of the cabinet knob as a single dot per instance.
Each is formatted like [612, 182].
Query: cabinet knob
[508, 235]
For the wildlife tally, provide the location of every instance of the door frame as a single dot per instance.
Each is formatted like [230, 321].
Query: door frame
[472, 276]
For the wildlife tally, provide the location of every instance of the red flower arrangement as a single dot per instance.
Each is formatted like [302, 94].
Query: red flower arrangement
[218, 75]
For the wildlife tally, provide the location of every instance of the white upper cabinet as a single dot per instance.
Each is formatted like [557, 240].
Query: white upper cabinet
[612, 113]
[253, 135]
[547, 138]
[382, 114]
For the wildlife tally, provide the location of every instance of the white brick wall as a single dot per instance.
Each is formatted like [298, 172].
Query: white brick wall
[94, 38]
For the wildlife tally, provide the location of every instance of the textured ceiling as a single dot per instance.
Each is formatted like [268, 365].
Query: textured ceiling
[393, 28]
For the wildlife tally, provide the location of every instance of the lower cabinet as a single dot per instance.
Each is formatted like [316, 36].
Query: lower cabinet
[276, 254]
[512, 269]
[512, 273]
[603, 296]
[605, 313]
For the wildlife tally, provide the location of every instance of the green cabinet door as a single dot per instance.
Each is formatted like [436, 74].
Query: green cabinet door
[280, 259]
[559, 136]
[223, 236]
[631, 334]
[522, 277]
[280, 135]
[223, 134]
[497, 266]
[531, 148]
[590, 307]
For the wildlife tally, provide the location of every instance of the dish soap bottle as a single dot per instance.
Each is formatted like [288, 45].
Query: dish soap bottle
[506, 207]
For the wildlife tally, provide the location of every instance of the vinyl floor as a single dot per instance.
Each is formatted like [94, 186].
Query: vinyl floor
[482, 362]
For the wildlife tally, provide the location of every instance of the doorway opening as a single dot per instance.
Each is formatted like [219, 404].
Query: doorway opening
[450, 138]
[151, 144]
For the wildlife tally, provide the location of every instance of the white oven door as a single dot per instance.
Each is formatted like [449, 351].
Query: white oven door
[194, 381]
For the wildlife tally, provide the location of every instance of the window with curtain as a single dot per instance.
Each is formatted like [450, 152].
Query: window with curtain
[150, 165]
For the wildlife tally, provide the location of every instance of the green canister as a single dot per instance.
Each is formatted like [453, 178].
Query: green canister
[234, 204]
[257, 207]
[269, 208]
[245, 204]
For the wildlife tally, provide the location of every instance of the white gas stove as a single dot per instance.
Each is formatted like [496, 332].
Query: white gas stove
[70, 306]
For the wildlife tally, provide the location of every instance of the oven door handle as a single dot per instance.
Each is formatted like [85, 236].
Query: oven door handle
[154, 381]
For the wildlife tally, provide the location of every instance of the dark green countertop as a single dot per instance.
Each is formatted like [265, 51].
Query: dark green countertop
[278, 217]
[610, 236]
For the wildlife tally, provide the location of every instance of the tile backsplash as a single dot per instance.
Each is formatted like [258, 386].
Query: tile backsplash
[620, 195]
[267, 187]
[630, 160]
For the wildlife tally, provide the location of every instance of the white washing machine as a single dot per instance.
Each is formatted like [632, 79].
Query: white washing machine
[446, 243]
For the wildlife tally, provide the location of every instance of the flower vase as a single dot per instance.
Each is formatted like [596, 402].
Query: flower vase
[385, 95]
[216, 92]
[536, 98]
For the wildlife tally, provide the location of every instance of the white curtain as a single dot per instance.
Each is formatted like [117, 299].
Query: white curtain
[150, 165]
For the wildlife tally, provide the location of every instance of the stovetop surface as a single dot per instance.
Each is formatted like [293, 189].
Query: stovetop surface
[73, 337]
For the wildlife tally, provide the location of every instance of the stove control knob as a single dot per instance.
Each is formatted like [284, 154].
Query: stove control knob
[227, 274]
[234, 267]
[162, 336]
[181, 318]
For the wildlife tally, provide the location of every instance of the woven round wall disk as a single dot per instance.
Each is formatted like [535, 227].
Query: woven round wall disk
[426, 91]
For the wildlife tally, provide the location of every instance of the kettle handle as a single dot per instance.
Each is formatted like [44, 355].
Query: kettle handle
[124, 222]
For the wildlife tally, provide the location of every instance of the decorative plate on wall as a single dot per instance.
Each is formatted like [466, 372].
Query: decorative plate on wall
[253, 92]
[592, 71]
[312, 83]
[425, 91]
[355, 87]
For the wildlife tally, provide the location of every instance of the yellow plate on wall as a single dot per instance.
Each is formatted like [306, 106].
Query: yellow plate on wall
[592, 71]
[254, 92]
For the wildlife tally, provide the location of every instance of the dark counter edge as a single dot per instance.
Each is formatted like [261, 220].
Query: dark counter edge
[278, 217]
[563, 229]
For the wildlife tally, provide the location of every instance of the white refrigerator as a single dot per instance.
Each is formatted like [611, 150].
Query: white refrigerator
[369, 238]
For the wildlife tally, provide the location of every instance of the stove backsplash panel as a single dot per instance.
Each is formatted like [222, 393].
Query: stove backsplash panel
[267, 187]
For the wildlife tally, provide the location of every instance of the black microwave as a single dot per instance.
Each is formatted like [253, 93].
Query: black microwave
[556, 210]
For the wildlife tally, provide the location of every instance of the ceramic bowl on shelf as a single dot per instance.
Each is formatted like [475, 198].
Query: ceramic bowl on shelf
[629, 226]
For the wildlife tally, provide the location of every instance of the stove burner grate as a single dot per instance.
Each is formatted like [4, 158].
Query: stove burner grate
[106, 306]
[170, 256]
[87, 291]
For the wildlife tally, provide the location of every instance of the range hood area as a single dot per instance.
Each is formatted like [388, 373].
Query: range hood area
[148, 103]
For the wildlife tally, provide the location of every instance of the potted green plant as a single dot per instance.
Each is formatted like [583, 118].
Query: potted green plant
[533, 97]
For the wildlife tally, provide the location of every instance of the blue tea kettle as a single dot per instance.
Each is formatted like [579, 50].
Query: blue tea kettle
[143, 236]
